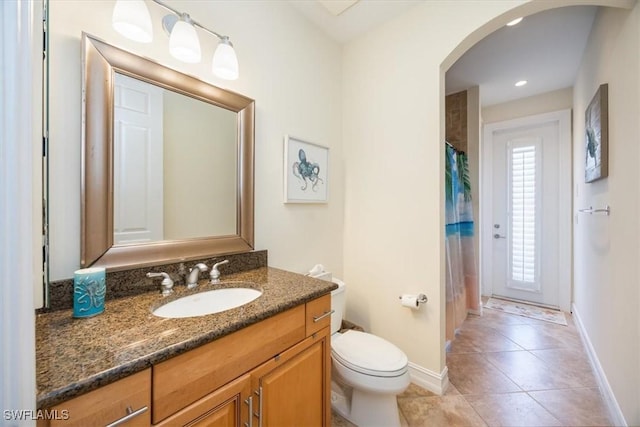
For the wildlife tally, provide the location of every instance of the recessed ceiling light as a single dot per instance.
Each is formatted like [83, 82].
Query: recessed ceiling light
[521, 83]
[514, 22]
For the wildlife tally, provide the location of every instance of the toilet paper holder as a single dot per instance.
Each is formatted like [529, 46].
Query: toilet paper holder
[421, 298]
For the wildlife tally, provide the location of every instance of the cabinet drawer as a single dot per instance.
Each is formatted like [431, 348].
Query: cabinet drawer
[109, 404]
[184, 379]
[318, 314]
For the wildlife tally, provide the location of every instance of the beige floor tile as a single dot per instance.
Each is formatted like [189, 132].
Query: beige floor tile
[492, 360]
[338, 421]
[416, 391]
[451, 390]
[513, 409]
[481, 341]
[572, 362]
[494, 317]
[445, 411]
[530, 372]
[530, 337]
[474, 374]
[575, 407]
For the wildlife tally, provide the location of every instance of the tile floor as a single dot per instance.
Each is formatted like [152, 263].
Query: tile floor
[508, 370]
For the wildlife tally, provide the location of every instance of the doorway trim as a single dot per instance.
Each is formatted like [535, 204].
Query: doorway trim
[563, 118]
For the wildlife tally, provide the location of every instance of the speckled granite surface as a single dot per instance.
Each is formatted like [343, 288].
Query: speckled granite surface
[132, 282]
[74, 356]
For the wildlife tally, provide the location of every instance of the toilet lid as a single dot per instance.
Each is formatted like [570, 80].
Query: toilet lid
[369, 354]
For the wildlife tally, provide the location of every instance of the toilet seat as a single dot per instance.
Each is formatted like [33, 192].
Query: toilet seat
[368, 354]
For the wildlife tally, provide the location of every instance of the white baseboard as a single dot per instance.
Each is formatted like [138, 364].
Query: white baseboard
[430, 380]
[607, 393]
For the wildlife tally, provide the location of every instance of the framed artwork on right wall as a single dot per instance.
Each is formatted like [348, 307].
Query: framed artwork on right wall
[596, 164]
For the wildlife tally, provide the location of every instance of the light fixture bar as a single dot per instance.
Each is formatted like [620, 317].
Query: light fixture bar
[194, 23]
[131, 18]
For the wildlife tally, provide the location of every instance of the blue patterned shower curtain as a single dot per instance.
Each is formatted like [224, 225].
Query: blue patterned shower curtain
[461, 280]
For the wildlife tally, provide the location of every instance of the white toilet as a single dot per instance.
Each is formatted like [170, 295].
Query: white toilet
[367, 372]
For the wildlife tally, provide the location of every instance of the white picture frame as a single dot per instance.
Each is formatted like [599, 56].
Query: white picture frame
[306, 171]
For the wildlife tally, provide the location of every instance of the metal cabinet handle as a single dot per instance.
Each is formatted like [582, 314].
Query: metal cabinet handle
[130, 414]
[259, 414]
[249, 402]
[322, 316]
[497, 236]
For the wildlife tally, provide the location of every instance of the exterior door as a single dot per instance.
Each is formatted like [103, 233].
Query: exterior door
[138, 161]
[523, 231]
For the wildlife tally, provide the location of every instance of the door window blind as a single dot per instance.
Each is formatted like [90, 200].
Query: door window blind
[524, 207]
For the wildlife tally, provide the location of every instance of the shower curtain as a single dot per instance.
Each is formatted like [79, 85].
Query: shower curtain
[462, 293]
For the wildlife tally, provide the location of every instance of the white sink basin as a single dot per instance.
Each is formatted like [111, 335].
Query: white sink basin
[208, 302]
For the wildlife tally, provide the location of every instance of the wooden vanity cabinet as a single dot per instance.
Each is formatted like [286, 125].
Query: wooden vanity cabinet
[126, 402]
[276, 372]
[290, 386]
[182, 380]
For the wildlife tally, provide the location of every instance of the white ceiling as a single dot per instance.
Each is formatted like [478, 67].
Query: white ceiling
[545, 49]
[356, 20]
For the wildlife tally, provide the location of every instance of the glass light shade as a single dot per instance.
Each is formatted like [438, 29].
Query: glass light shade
[225, 62]
[131, 19]
[183, 42]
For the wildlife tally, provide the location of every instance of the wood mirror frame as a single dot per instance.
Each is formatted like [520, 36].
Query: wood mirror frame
[100, 62]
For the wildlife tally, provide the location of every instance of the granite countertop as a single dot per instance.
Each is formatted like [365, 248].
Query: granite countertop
[74, 356]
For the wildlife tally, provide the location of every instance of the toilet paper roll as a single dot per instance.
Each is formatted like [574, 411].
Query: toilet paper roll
[410, 301]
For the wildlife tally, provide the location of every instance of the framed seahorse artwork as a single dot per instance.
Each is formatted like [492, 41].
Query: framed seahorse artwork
[596, 164]
[306, 171]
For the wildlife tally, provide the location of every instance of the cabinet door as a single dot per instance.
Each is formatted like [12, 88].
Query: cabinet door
[293, 388]
[228, 406]
[184, 379]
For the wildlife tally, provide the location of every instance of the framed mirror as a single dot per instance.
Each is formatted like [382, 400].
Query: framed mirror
[167, 163]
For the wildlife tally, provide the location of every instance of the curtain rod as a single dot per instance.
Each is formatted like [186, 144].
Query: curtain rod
[454, 148]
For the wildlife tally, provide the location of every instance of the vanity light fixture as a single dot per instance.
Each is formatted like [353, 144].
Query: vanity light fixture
[521, 83]
[225, 62]
[131, 19]
[183, 40]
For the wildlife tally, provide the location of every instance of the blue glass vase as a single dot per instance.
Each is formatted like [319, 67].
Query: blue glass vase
[89, 289]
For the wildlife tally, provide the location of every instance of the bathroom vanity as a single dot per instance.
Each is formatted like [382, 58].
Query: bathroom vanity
[264, 363]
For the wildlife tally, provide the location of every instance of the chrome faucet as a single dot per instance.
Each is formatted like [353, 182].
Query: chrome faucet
[215, 273]
[194, 275]
[166, 285]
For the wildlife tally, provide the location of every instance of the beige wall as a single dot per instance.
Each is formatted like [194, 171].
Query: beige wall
[394, 134]
[606, 249]
[289, 67]
[200, 168]
[551, 101]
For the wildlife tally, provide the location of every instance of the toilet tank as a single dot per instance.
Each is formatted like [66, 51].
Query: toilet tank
[338, 301]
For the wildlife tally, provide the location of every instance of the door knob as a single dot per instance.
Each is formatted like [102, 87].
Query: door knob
[497, 236]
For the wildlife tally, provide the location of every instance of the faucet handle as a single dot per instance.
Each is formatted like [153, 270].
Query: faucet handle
[215, 273]
[167, 283]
